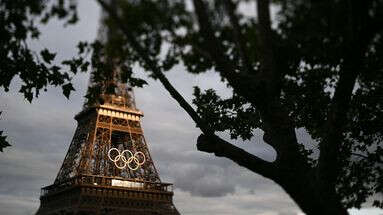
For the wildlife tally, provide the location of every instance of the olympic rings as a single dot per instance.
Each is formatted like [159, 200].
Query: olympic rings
[127, 160]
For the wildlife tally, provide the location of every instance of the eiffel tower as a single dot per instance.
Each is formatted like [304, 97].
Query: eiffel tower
[108, 168]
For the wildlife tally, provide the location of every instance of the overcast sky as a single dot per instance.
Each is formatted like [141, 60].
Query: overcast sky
[40, 134]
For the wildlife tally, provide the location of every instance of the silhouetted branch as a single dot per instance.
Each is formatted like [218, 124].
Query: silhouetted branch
[156, 69]
[359, 155]
[222, 148]
[261, 93]
[227, 69]
[214, 144]
[269, 73]
[329, 165]
[238, 36]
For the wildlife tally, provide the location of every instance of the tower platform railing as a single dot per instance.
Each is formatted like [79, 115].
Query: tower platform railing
[107, 182]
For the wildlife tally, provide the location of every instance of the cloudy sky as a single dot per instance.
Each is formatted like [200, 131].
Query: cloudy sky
[40, 134]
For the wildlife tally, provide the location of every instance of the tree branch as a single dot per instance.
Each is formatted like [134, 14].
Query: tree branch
[278, 127]
[156, 70]
[214, 144]
[266, 54]
[238, 36]
[261, 89]
[329, 165]
[366, 157]
[236, 79]
[222, 148]
[360, 155]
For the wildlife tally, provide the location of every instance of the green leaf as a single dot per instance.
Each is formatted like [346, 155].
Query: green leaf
[84, 67]
[67, 88]
[3, 142]
[47, 56]
[81, 47]
[29, 96]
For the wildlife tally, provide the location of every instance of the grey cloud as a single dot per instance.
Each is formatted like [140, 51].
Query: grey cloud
[288, 213]
[238, 203]
[205, 175]
[204, 181]
[10, 204]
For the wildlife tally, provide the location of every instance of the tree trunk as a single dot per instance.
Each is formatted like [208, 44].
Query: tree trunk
[306, 193]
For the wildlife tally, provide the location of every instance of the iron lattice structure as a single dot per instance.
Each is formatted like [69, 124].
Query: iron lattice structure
[89, 181]
[100, 129]
[108, 168]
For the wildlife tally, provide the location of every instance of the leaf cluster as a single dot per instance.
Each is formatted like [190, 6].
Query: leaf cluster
[234, 114]
[3, 140]
[19, 21]
[321, 50]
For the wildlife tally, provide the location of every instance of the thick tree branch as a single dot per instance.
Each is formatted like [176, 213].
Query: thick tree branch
[222, 148]
[248, 86]
[261, 89]
[329, 165]
[279, 129]
[215, 144]
[226, 68]
[266, 51]
[238, 36]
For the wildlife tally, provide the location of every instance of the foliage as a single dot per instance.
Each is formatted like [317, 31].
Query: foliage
[233, 114]
[3, 140]
[20, 21]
